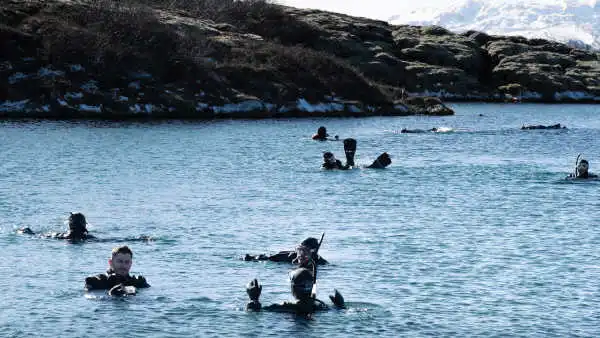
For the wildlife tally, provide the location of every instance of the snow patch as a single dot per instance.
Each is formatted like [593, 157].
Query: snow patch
[140, 75]
[5, 65]
[531, 95]
[90, 87]
[564, 21]
[304, 105]
[142, 108]
[134, 85]
[73, 96]
[76, 68]
[47, 72]
[13, 106]
[401, 107]
[244, 106]
[200, 106]
[575, 95]
[354, 109]
[90, 109]
[17, 77]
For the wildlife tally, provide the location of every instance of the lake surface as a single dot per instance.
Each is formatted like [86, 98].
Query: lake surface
[470, 233]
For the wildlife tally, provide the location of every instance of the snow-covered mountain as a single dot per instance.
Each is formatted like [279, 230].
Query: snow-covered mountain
[572, 21]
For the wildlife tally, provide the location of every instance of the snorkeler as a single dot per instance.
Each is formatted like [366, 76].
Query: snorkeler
[322, 135]
[539, 126]
[77, 229]
[301, 282]
[418, 131]
[582, 170]
[78, 232]
[117, 279]
[305, 254]
[330, 162]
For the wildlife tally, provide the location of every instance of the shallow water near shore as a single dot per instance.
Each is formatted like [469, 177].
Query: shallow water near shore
[473, 232]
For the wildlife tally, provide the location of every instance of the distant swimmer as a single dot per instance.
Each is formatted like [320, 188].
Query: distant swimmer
[417, 131]
[322, 135]
[305, 254]
[539, 126]
[117, 279]
[77, 229]
[301, 282]
[330, 162]
[78, 232]
[582, 170]
[432, 130]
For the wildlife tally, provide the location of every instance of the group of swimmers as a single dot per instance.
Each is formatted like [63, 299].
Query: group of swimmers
[330, 162]
[302, 280]
[117, 280]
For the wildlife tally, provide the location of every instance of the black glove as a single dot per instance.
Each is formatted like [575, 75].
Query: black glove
[141, 282]
[337, 299]
[253, 289]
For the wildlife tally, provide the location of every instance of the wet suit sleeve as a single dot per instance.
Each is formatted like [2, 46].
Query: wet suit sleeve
[98, 282]
[321, 260]
[283, 256]
[284, 307]
[138, 282]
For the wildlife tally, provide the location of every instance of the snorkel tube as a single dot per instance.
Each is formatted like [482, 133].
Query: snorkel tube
[315, 258]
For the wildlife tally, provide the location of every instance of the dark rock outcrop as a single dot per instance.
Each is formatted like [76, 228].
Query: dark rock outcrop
[109, 59]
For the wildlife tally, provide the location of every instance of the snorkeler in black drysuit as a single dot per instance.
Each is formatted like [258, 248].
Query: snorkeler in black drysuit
[301, 281]
[582, 170]
[77, 229]
[78, 232]
[304, 255]
[117, 280]
[330, 162]
[417, 131]
[539, 126]
[322, 135]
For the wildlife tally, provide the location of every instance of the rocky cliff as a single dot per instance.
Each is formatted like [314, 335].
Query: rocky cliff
[252, 59]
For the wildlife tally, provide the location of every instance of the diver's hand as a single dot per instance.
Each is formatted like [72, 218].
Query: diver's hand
[253, 289]
[140, 281]
[122, 290]
[337, 299]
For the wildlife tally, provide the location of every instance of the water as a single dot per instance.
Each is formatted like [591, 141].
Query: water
[471, 233]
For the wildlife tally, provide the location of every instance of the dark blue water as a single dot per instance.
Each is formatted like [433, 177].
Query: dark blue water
[469, 233]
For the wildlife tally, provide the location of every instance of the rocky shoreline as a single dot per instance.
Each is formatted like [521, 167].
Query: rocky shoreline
[111, 60]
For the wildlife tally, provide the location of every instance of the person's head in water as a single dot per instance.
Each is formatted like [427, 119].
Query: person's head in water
[582, 167]
[121, 260]
[77, 223]
[322, 132]
[305, 251]
[329, 158]
[301, 282]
